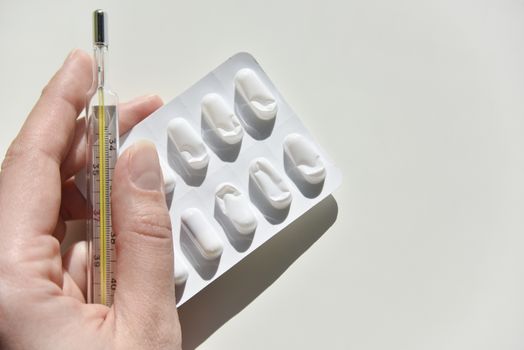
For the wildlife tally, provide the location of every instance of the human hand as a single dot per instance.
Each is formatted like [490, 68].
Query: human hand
[42, 294]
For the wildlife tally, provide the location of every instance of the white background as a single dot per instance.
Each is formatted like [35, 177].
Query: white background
[421, 105]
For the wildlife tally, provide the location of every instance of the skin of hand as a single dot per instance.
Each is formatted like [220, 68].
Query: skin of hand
[42, 294]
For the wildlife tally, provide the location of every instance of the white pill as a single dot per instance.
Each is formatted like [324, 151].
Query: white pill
[188, 143]
[181, 272]
[270, 183]
[305, 158]
[169, 176]
[235, 205]
[221, 119]
[257, 95]
[202, 233]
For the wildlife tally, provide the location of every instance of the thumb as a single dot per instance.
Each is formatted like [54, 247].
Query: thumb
[144, 303]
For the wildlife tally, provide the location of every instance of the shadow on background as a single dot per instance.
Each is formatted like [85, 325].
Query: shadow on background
[207, 311]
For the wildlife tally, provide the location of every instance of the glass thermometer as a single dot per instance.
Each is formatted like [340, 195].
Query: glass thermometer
[102, 152]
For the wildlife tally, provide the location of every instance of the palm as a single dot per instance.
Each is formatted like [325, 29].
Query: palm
[41, 290]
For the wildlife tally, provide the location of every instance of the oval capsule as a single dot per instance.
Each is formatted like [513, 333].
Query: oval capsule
[188, 143]
[304, 158]
[256, 94]
[270, 183]
[202, 233]
[181, 272]
[234, 205]
[221, 119]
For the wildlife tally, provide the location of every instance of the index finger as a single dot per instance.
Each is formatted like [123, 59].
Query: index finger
[30, 174]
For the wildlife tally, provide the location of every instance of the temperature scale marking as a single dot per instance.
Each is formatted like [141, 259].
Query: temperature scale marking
[102, 223]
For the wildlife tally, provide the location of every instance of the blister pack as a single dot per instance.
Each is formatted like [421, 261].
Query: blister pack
[238, 166]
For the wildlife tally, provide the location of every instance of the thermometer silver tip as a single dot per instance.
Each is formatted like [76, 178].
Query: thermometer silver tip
[100, 27]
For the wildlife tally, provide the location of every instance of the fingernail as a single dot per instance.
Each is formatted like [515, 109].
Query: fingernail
[71, 55]
[150, 97]
[144, 166]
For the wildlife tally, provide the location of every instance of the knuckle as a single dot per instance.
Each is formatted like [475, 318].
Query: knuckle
[23, 150]
[13, 152]
[44, 90]
[156, 329]
[153, 224]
